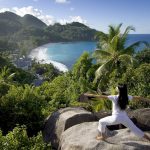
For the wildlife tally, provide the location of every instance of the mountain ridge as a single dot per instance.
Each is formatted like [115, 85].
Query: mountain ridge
[14, 28]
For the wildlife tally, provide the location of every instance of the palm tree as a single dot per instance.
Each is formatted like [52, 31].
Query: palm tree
[112, 51]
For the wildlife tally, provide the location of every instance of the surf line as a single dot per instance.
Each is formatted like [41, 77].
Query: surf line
[40, 55]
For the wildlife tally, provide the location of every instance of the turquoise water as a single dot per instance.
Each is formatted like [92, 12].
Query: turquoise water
[64, 55]
[68, 53]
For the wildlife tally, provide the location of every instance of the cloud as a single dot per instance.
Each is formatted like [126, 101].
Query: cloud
[62, 1]
[27, 10]
[48, 19]
[73, 19]
[78, 19]
[4, 9]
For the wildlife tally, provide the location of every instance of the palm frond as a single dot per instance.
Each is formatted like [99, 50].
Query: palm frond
[131, 49]
[127, 30]
[5, 71]
[118, 28]
[114, 30]
[11, 76]
[101, 36]
[124, 36]
[101, 53]
[103, 69]
[114, 43]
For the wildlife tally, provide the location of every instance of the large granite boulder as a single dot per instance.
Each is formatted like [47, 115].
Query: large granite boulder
[101, 114]
[142, 117]
[82, 137]
[63, 119]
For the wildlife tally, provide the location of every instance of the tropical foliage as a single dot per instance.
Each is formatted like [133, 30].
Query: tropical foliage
[22, 105]
[47, 71]
[112, 52]
[143, 56]
[19, 140]
[27, 105]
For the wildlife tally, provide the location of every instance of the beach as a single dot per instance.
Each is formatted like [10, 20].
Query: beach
[40, 55]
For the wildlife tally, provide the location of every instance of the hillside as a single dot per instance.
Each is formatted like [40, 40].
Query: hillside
[14, 28]
[73, 32]
[9, 23]
[29, 20]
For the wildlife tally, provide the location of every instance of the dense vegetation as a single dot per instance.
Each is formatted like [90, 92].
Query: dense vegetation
[19, 140]
[23, 106]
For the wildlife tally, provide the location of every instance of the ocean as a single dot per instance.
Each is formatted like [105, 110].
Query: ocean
[64, 54]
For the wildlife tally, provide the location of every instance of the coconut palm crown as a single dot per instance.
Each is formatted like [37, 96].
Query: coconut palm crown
[112, 50]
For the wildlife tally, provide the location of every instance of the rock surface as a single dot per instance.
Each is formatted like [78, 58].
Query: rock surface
[82, 137]
[142, 117]
[63, 119]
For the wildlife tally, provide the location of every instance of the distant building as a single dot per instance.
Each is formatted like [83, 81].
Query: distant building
[23, 63]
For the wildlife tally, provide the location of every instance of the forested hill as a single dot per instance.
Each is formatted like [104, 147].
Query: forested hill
[15, 29]
[11, 23]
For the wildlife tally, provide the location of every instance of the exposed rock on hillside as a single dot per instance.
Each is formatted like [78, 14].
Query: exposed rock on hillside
[82, 137]
[142, 117]
[74, 129]
[63, 119]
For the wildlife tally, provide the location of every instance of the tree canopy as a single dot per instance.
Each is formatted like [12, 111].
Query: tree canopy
[112, 52]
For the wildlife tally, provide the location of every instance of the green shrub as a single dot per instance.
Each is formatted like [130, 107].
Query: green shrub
[138, 80]
[138, 104]
[47, 71]
[19, 140]
[4, 87]
[101, 104]
[143, 56]
[55, 91]
[22, 105]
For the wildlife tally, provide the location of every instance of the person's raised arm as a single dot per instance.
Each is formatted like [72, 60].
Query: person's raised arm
[95, 96]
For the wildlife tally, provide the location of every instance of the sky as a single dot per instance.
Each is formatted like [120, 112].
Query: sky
[98, 14]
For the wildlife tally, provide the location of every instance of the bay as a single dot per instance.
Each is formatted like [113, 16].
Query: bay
[64, 54]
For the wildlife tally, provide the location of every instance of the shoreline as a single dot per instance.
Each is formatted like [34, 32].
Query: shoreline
[62, 43]
[40, 54]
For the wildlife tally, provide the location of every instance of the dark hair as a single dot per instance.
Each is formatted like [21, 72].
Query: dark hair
[123, 96]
